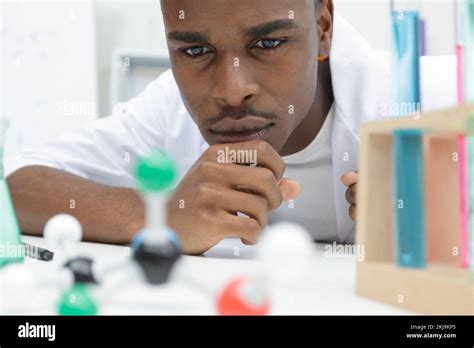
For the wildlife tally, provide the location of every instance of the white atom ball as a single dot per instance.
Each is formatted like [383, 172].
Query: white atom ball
[62, 230]
[286, 249]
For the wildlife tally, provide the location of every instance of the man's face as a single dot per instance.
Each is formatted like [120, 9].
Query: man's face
[246, 69]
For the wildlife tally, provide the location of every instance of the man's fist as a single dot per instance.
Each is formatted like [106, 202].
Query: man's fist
[350, 180]
[204, 208]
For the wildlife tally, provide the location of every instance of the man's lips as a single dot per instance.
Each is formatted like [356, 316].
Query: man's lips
[244, 129]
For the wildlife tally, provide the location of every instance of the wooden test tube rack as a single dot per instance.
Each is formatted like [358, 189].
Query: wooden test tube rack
[443, 287]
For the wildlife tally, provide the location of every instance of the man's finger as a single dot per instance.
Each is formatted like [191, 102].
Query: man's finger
[232, 225]
[254, 153]
[246, 242]
[252, 205]
[259, 181]
[349, 179]
[290, 189]
[246, 228]
[353, 212]
[351, 194]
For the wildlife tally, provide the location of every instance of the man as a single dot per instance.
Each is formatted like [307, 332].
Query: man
[284, 80]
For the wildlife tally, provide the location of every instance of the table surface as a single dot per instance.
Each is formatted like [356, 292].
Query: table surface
[328, 287]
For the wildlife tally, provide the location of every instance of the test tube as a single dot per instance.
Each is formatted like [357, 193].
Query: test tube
[423, 45]
[470, 196]
[459, 18]
[408, 198]
[464, 197]
[468, 49]
[405, 17]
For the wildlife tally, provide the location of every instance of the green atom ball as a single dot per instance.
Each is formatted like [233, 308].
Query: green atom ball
[156, 172]
[77, 301]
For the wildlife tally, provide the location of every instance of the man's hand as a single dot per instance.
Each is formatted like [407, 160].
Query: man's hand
[203, 209]
[350, 180]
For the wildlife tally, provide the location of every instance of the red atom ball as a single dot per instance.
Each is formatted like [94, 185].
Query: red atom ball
[231, 301]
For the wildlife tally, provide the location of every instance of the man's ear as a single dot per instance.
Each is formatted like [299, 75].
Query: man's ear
[325, 21]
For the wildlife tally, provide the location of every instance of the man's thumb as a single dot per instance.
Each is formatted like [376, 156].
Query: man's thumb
[289, 188]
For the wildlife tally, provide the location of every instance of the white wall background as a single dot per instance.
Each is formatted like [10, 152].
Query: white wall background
[129, 25]
[48, 69]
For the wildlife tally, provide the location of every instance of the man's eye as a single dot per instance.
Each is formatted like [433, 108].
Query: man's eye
[197, 51]
[268, 43]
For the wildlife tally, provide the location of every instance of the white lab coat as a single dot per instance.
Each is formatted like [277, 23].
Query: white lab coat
[361, 83]
[106, 149]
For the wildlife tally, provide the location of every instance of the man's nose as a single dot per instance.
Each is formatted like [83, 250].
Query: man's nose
[234, 82]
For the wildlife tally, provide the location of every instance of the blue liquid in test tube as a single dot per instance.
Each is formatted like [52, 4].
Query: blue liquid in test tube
[406, 43]
[408, 198]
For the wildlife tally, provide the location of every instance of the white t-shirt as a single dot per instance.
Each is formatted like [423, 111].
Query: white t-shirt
[315, 208]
